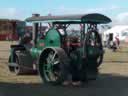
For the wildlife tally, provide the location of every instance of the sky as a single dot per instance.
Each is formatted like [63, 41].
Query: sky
[21, 9]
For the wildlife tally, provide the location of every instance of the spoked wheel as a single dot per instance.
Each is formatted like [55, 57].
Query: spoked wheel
[51, 67]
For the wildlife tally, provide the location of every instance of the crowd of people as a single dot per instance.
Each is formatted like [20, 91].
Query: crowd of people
[114, 43]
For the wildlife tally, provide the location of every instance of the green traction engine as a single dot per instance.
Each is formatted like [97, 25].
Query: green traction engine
[52, 53]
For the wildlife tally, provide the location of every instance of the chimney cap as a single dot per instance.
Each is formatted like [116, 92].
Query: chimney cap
[35, 15]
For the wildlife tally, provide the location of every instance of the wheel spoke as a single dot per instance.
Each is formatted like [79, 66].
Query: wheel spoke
[52, 77]
[47, 71]
[47, 67]
[54, 56]
[56, 62]
[51, 55]
[48, 60]
[49, 75]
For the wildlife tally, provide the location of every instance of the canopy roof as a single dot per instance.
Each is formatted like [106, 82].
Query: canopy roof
[86, 18]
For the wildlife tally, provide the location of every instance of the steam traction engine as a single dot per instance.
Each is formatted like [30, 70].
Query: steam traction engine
[51, 53]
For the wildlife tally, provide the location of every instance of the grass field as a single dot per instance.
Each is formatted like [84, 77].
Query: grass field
[112, 81]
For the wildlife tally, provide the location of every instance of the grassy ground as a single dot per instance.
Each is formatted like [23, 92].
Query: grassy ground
[112, 81]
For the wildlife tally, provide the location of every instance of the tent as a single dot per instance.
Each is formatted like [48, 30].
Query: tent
[120, 31]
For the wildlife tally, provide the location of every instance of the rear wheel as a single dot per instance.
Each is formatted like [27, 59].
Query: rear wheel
[52, 67]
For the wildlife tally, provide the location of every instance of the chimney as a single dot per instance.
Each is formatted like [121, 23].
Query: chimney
[35, 15]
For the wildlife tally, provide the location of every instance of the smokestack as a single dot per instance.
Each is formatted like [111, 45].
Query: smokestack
[35, 15]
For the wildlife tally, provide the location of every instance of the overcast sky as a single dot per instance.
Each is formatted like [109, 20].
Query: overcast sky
[21, 9]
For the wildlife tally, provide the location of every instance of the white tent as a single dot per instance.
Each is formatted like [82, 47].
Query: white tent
[121, 31]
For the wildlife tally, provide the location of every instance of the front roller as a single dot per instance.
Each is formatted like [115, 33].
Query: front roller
[53, 65]
[14, 66]
[21, 63]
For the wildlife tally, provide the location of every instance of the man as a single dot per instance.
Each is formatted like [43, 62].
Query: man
[117, 41]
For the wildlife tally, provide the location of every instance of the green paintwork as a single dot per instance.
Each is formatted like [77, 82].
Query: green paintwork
[93, 51]
[35, 52]
[76, 56]
[51, 39]
[42, 44]
[48, 67]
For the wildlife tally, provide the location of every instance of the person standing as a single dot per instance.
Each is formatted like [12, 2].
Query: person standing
[117, 41]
